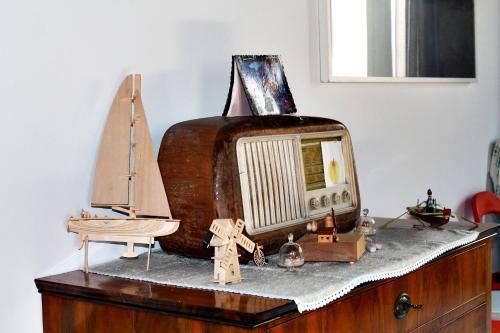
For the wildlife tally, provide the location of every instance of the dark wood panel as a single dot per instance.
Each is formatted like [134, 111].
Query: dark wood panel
[451, 315]
[370, 311]
[51, 313]
[446, 288]
[472, 322]
[242, 310]
[79, 316]
[456, 280]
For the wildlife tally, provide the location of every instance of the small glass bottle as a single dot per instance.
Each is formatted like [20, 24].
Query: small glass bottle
[290, 255]
[366, 224]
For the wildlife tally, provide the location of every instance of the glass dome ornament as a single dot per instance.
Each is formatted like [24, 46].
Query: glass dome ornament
[366, 224]
[290, 255]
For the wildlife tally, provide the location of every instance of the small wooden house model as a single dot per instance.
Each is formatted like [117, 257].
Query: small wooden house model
[326, 235]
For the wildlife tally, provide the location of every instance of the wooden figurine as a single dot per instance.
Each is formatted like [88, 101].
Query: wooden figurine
[127, 180]
[328, 234]
[329, 221]
[429, 203]
[225, 236]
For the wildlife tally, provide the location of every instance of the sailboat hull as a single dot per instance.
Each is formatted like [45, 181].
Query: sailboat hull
[115, 229]
[437, 218]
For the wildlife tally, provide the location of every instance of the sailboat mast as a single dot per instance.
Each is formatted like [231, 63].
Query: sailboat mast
[136, 88]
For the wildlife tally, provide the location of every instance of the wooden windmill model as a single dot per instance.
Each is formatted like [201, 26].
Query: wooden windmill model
[226, 235]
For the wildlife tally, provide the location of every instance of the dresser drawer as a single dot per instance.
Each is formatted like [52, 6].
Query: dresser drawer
[452, 282]
[447, 289]
[475, 320]
[369, 311]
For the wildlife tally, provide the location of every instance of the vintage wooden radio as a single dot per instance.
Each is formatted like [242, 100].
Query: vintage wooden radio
[275, 172]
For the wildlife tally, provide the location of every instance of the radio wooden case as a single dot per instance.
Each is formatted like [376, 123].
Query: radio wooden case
[257, 169]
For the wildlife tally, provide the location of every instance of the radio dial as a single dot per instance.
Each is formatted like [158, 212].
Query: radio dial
[314, 203]
[325, 201]
[346, 196]
[335, 198]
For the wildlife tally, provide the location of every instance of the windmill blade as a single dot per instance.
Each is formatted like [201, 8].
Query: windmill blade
[238, 228]
[218, 229]
[245, 243]
[229, 255]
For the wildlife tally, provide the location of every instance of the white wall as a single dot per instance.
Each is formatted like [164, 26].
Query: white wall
[62, 62]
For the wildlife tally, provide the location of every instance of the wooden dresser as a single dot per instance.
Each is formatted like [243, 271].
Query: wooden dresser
[454, 292]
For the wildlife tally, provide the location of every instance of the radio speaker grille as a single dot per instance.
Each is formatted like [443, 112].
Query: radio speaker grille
[271, 183]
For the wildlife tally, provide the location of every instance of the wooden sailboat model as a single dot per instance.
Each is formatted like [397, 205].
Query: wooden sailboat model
[429, 211]
[127, 180]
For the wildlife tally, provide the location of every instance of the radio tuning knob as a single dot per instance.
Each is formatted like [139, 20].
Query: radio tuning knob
[314, 203]
[346, 196]
[325, 201]
[335, 198]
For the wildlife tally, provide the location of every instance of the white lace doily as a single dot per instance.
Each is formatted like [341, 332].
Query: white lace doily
[311, 286]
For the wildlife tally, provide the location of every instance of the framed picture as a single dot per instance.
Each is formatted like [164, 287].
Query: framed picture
[261, 79]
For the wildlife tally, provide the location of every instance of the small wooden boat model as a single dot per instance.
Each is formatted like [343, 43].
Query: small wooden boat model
[429, 211]
[127, 180]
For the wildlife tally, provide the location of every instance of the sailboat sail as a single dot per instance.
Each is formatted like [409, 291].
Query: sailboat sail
[111, 182]
[149, 196]
[127, 180]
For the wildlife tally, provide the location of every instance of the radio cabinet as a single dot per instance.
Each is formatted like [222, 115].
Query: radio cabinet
[253, 168]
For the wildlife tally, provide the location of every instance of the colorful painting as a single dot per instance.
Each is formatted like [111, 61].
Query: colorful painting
[265, 84]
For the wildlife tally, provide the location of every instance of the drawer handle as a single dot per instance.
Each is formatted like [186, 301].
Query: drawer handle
[403, 305]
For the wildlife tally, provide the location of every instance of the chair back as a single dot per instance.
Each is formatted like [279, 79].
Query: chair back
[484, 203]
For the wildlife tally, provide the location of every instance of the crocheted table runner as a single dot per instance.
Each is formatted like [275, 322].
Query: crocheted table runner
[311, 286]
